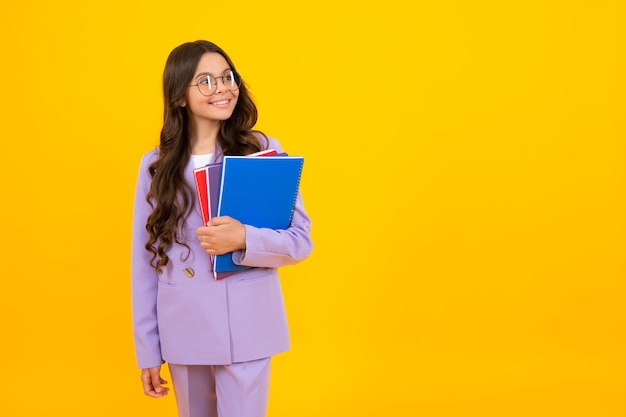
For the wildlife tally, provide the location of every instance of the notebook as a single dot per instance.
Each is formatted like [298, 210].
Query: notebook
[260, 192]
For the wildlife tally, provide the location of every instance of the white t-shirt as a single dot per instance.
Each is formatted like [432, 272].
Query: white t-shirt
[201, 160]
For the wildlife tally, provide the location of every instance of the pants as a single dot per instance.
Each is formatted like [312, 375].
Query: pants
[236, 390]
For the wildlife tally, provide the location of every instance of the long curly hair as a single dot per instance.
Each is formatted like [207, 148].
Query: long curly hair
[170, 196]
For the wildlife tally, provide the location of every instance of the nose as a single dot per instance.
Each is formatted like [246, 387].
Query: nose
[219, 85]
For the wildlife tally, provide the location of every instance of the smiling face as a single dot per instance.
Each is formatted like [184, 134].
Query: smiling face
[216, 108]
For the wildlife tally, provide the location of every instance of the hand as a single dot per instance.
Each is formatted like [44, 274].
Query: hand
[152, 382]
[222, 235]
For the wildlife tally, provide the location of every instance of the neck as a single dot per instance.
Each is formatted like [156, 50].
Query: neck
[203, 136]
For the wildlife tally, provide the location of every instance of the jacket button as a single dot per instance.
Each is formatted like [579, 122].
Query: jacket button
[189, 272]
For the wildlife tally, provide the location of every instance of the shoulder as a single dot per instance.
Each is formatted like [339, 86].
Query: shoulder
[273, 143]
[268, 142]
[148, 158]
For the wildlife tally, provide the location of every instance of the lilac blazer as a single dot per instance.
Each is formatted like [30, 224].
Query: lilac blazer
[200, 321]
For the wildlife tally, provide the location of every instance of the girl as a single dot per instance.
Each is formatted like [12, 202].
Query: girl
[217, 336]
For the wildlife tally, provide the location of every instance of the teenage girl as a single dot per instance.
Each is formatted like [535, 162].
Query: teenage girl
[217, 336]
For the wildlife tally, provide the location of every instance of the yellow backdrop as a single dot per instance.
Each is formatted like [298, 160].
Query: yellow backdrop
[464, 171]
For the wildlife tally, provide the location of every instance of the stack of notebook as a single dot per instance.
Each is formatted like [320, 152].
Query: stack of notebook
[259, 192]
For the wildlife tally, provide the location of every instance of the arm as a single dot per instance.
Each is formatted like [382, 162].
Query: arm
[275, 248]
[144, 278]
[259, 247]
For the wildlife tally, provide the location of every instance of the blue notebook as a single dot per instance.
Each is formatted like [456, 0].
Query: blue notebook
[260, 192]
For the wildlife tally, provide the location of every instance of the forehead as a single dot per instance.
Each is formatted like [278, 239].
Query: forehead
[212, 63]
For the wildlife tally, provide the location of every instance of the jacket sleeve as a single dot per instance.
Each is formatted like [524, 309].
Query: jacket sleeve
[144, 278]
[275, 248]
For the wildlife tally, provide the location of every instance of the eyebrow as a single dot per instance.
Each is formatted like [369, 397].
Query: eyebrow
[204, 74]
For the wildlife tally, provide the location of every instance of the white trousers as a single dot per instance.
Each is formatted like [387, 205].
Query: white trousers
[236, 390]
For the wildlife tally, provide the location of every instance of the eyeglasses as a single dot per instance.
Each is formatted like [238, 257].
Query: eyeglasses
[207, 85]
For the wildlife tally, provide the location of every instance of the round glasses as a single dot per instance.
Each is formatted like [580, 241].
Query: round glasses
[207, 85]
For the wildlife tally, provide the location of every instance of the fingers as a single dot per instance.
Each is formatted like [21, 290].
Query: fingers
[213, 245]
[152, 382]
[208, 236]
[207, 241]
[211, 248]
[216, 221]
[155, 379]
[222, 235]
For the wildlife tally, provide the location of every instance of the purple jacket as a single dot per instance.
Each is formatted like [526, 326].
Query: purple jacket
[201, 321]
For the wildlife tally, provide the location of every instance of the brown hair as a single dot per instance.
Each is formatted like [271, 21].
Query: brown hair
[170, 196]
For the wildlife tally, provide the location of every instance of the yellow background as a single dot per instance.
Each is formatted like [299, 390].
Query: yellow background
[464, 171]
